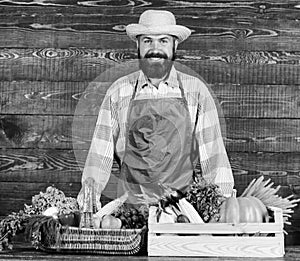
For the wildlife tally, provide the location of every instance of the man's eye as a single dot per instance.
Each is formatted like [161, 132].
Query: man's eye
[147, 41]
[164, 41]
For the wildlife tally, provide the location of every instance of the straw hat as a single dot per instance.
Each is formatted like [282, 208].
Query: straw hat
[157, 22]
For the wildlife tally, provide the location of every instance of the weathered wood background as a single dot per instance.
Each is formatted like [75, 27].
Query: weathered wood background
[50, 51]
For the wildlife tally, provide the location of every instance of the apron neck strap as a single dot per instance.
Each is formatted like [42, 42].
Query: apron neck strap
[135, 88]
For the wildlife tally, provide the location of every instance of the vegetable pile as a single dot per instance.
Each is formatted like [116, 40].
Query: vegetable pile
[52, 197]
[50, 210]
[15, 223]
[132, 217]
[172, 207]
[203, 202]
[117, 214]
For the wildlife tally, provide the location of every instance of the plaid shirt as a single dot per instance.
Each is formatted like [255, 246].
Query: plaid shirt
[109, 135]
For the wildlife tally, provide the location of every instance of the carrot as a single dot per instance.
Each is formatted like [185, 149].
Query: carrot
[264, 190]
[246, 191]
[252, 186]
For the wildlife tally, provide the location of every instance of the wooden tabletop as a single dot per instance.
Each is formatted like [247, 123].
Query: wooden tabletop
[23, 251]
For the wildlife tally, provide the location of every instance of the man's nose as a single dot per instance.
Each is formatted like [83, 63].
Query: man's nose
[155, 45]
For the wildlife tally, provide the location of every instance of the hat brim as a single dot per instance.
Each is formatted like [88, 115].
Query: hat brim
[181, 32]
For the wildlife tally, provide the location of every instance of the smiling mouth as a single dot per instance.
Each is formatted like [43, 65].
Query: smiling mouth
[155, 59]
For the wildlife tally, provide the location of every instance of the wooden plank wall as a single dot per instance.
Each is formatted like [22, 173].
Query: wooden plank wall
[50, 51]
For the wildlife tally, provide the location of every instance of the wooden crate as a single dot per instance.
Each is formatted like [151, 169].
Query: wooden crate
[217, 239]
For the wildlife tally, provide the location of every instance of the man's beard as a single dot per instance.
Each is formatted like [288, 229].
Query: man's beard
[156, 69]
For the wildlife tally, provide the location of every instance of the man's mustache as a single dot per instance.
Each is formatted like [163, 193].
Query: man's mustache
[156, 55]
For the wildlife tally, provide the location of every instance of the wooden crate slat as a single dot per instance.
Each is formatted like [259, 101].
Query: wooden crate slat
[215, 246]
[215, 228]
[178, 243]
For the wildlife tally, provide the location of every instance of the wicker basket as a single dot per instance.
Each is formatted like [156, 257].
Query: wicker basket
[87, 239]
[97, 241]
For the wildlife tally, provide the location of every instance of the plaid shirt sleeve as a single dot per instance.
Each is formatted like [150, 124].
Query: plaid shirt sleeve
[100, 156]
[214, 161]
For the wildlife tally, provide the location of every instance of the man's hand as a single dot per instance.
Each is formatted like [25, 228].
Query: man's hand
[85, 201]
[144, 199]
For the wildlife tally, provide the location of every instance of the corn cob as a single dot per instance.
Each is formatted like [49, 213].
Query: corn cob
[110, 207]
[167, 216]
[189, 211]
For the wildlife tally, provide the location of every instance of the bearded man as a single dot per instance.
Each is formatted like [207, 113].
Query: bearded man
[158, 121]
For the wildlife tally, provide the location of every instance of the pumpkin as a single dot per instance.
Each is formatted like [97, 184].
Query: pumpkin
[243, 210]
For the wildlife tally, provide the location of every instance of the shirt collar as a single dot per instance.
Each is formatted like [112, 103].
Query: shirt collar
[171, 81]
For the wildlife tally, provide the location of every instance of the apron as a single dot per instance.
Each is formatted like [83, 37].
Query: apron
[159, 147]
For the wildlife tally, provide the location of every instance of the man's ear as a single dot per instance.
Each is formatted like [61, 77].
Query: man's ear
[137, 41]
[175, 43]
